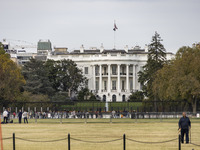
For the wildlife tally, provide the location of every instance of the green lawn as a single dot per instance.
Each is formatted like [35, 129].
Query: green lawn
[146, 130]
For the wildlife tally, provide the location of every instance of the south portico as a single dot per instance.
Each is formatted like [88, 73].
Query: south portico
[114, 82]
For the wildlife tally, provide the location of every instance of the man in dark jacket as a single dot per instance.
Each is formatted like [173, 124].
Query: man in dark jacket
[20, 116]
[184, 125]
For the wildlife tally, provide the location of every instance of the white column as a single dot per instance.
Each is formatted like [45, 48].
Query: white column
[100, 78]
[109, 82]
[134, 84]
[94, 78]
[139, 85]
[127, 77]
[118, 78]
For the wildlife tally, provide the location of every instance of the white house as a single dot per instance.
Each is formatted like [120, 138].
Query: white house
[112, 73]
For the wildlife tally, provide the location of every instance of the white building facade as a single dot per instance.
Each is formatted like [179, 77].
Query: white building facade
[112, 74]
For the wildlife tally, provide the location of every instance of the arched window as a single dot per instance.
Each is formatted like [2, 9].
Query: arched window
[123, 98]
[114, 98]
[104, 98]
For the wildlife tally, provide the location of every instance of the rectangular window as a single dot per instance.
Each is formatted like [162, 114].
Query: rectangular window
[131, 84]
[86, 83]
[86, 70]
[114, 85]
[105, 85]
[114, 70]
[123, 70]
[97, 85]
[104, 70]
[123, 85]
[96, 70]
[131, 70]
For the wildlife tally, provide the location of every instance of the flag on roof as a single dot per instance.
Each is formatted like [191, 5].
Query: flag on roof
[115, 27]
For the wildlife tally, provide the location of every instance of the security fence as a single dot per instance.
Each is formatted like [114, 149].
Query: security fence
[139, 106]
[19, 143]
[91, 112]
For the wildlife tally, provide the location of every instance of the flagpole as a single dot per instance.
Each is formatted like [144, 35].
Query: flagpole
[114, 40]
[114, 29]
[114, 35]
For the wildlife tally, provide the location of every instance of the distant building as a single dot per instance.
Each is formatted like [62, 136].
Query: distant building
[23, 57]
[60, 50]
[18, 50]
[44, 47]
[112, 73]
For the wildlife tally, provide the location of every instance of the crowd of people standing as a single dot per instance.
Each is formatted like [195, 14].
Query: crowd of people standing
[7, 116]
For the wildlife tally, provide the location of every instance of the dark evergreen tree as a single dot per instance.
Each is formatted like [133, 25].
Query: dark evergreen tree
[156, 59]
[36, 76]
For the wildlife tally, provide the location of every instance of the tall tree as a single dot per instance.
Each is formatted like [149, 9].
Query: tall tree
[36, 76]
[180, 79]
[65, 76]
[11, 79]
[156, 59]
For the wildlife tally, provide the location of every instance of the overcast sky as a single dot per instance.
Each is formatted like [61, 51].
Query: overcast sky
[70, 23]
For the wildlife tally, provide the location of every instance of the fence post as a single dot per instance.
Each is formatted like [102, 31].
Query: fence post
[13, 141]
[35, 117]
[61, 118]
[161, 117]
[179, 141]
[135, 117]
[111, 117]
[68, 141]
[85, 118]
[124, 142]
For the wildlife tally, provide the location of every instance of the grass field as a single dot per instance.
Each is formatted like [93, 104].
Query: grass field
[98, 130]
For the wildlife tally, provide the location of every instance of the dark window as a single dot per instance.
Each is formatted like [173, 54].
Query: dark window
[97, 85]
[104, 98]
[105, 85]
[123, 83]
[104, 68]
[114, 85]
[123, 70]
[86, 70]
[96, 70]
[114, 98]
[114, 70]
[123, 98]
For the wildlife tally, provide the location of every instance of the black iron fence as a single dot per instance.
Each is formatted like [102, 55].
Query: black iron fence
[92, 106]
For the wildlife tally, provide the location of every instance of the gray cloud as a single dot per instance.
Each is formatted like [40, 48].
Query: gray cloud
[71, 23]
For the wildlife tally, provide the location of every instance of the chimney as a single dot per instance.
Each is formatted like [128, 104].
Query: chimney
[82, 49]
[146, 48]
[101, 48]
[126, 48]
